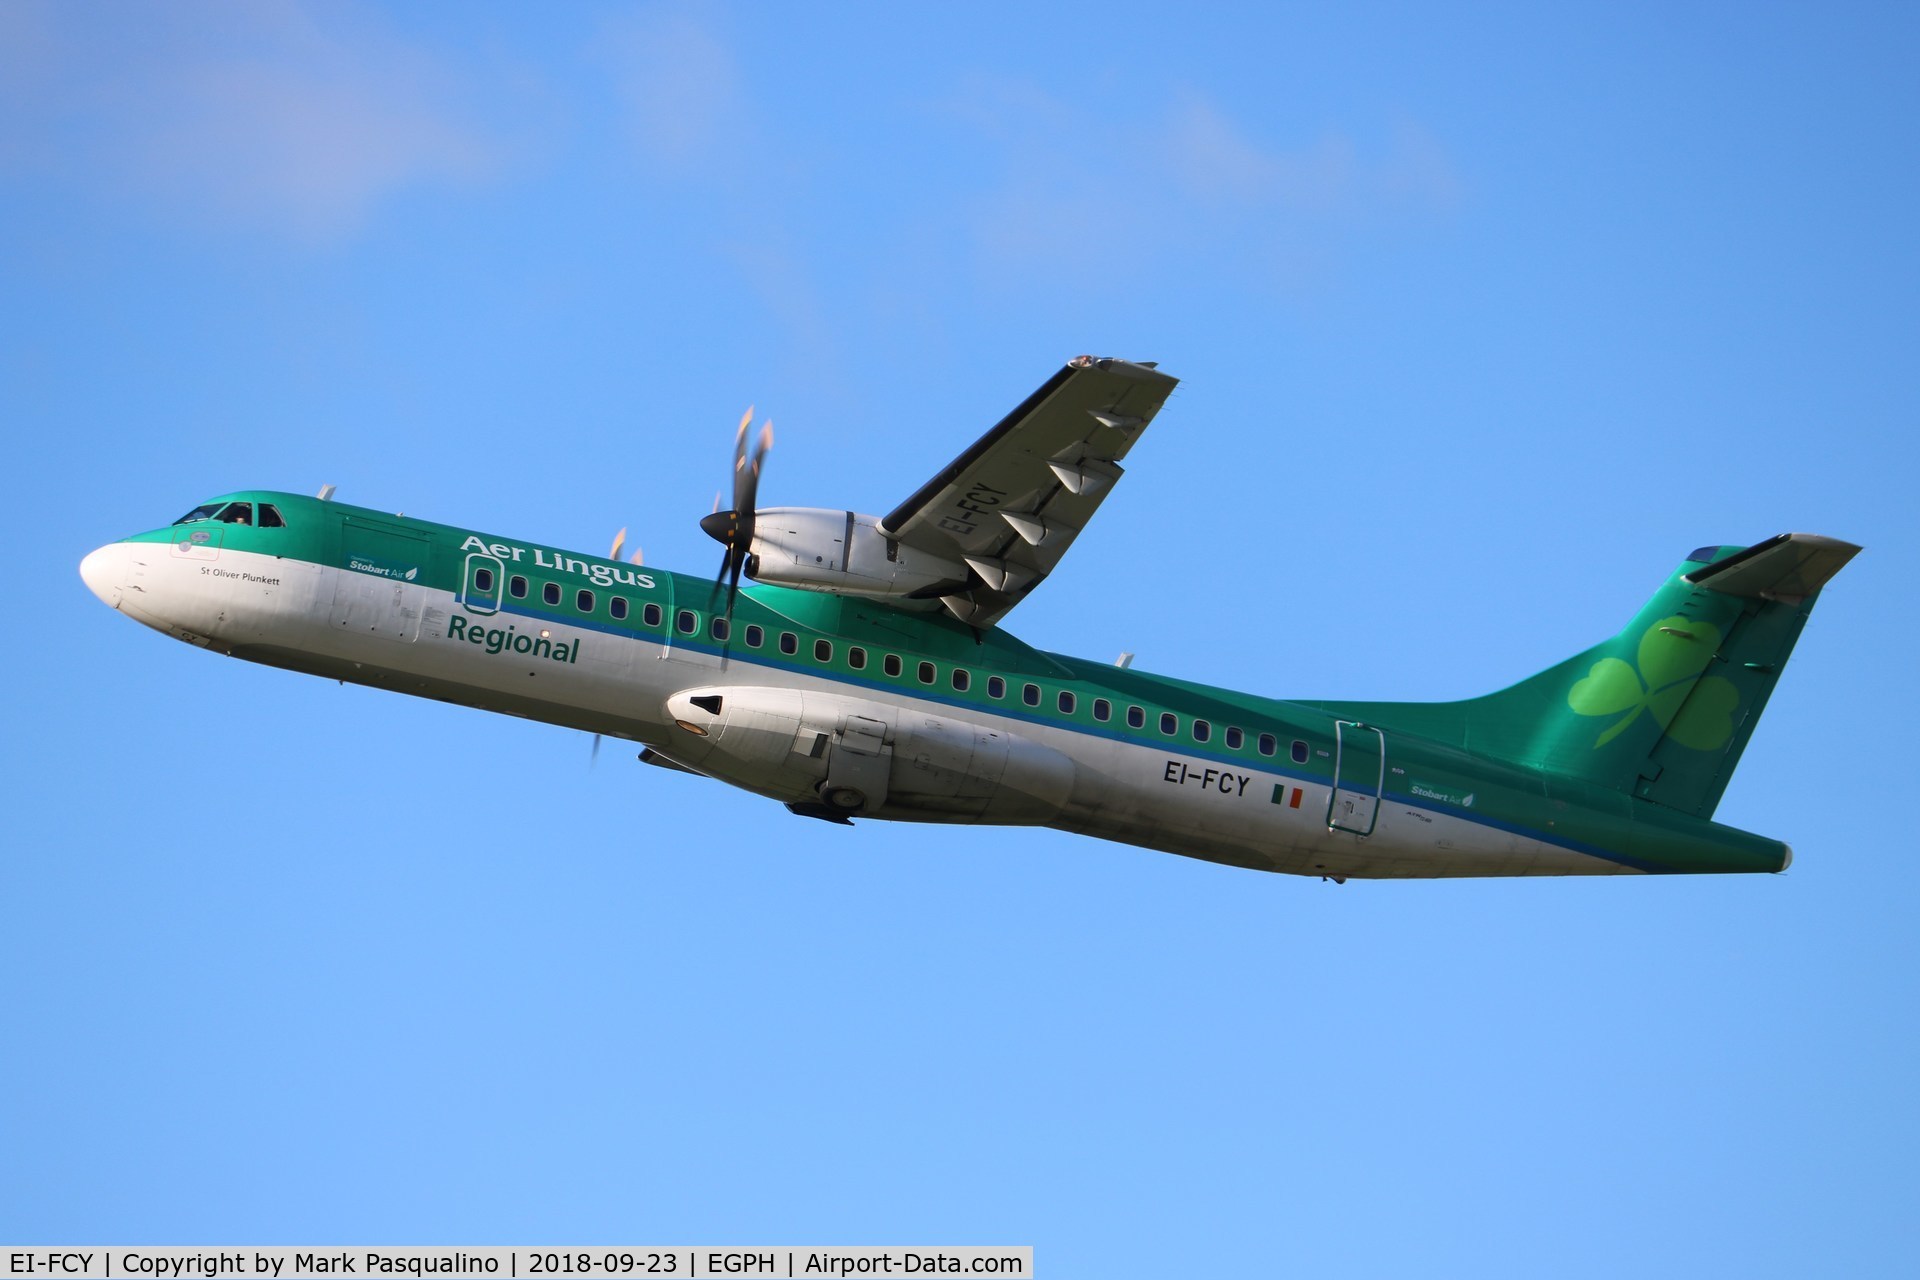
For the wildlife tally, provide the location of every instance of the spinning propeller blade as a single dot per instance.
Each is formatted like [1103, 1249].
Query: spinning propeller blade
[734, 529]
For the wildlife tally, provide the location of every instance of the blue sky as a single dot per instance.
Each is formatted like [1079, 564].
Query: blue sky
[1484, 315]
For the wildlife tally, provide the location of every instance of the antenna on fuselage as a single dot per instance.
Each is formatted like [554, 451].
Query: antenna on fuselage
[325, 494]
[1124, 661]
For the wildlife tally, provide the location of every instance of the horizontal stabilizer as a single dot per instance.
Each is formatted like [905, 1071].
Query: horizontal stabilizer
[1787, 568]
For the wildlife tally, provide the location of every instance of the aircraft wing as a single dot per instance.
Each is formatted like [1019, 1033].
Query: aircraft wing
[1011, 505]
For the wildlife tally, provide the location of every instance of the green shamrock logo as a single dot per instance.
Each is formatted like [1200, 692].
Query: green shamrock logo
[1672, 652]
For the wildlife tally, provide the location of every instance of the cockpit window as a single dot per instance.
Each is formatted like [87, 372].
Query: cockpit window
[234, 513]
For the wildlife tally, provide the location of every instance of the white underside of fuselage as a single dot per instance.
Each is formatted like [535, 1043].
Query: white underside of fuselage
[940, 761]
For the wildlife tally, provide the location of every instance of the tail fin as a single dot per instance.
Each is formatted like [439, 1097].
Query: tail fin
[1664, 709]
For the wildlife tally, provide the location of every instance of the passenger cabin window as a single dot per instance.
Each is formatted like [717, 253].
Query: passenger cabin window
[1234, 737]
[1268, 744]
[823, 651]
[583, 600]
[517, 587]
[856, 657]
[550, 593]
[651, 615]
[755, 636]
[996, 687]
[1065, 703]
[1202, 731]
[789, 643]
[961, 679]
[927, 673]
[236, 513]
[892, 664]
[270, 517]
[720, 629]
[1031, 695]
[685, 622]
[1136, 718]
[617, 606]
[1299, 751]
[1102, 709]
[1169, 723]
[483, 579]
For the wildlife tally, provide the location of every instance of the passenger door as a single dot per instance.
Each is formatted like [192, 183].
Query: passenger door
[1359, 775]
[482, 578]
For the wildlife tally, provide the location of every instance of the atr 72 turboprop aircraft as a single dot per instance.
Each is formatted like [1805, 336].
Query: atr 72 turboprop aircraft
[866, 675]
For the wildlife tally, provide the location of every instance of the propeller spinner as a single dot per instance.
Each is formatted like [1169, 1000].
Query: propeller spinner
[734, 529]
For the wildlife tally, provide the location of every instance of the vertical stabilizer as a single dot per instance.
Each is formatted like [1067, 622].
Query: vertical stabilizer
[1664, 709]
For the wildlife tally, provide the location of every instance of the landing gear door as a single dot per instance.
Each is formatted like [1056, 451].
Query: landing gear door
[1359, 775]
[858, 767]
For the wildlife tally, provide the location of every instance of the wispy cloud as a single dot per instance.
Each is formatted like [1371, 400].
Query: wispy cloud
[683, 92]
[1213, 162]
[1183, 180]
[292, 118]
[701, 139]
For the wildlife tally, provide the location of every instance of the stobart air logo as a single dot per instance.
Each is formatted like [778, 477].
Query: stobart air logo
[1672, 654]
[379, 568]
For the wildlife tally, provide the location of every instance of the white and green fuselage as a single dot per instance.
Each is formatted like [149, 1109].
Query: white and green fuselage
[840, 706]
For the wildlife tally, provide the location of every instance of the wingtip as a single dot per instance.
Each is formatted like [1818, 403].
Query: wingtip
[1126, 368]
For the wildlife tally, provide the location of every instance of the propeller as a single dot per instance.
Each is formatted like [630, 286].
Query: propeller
[734, 529]
[619, 541]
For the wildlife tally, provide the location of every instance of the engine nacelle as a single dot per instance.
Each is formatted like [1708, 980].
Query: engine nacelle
[845, 553]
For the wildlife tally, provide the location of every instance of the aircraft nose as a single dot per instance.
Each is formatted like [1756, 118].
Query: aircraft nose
[105, 572]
